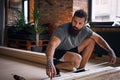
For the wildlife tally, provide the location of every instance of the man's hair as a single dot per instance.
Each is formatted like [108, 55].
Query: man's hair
[80, 13]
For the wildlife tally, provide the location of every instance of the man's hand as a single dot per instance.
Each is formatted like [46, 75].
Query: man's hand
[112, 59]
[50, 69]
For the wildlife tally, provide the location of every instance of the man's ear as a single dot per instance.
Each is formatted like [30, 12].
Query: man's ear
[85, 23]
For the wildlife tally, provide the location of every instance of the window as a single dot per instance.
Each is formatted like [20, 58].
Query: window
[26, 10]
[14, 8]
[104, 10]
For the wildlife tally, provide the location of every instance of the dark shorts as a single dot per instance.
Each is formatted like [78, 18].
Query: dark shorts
[59, 53]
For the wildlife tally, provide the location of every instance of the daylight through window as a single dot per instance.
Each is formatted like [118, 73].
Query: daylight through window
[105, 10]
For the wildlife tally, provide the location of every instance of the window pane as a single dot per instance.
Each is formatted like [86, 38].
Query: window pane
[105, 10]
[118, 8]
[26, 10]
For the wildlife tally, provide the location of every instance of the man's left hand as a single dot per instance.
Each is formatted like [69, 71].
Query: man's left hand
[112, 59]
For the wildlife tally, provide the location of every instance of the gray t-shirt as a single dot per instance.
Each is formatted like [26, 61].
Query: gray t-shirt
[67, 41]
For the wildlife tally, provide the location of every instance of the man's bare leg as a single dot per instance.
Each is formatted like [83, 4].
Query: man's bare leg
[86, 47]
[65, 66]
[71, 61]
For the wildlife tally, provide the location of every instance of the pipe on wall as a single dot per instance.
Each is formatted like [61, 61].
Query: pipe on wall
[2, 21]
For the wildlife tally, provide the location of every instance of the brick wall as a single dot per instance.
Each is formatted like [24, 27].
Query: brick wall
[58, 11]
[55, 11]
[80, 4]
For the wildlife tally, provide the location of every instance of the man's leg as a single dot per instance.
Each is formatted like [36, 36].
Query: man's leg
[71, 61]
[86, 47]
[74, 60]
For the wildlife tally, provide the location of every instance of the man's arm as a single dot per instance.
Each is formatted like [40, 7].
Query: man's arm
[52, 45]
[102, 43]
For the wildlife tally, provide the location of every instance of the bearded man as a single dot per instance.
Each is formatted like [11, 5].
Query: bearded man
[72, 43]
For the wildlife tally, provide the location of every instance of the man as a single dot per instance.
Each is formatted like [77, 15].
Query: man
[73, 43]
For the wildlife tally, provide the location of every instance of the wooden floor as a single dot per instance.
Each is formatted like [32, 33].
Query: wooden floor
[35, 71]
[31, 71]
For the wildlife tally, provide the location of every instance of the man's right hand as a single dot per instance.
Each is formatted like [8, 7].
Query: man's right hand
[50, 69]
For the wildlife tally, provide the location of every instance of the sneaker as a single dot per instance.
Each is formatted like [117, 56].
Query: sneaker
[57, 70]
[79, 70]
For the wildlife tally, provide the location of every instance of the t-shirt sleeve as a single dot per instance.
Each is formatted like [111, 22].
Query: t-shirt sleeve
[59, 32]
[87, 32]
[90, 32]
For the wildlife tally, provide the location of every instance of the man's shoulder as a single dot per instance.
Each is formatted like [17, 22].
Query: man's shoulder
[86, 28]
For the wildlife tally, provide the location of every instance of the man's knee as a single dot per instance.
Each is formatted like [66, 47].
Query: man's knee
[91, 41]
[77, 60]
[73, 58]
[86, 44]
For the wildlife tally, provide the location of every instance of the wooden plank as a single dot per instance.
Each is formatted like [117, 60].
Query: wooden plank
[90, 74]
[24, 54]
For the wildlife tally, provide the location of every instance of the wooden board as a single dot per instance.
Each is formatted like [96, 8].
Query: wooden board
[24, 54]
[31, 66]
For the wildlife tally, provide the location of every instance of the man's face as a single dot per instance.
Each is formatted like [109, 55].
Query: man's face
[78, 23]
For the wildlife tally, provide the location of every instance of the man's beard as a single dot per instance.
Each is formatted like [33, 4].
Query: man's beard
[73, 32]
